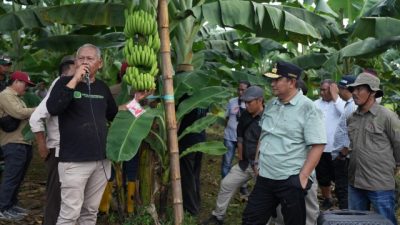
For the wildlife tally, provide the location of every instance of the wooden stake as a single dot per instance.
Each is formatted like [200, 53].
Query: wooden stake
[169, 102]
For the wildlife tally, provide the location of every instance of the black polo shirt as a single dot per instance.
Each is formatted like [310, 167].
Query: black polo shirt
[249, 131]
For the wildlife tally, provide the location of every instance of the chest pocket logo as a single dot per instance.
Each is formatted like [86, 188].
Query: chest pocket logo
[77, 94]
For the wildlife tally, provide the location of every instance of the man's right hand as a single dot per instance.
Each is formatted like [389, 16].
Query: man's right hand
[43, 151]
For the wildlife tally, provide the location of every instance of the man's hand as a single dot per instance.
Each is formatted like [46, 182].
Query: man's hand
[239, 151]
[334, 91]
[43, 151]
[78, 76]
[303, 180]
[140, 95]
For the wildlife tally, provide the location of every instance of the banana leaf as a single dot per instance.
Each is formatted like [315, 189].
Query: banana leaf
[98, 14]
[28, 134]
[211, 148]
[311, 61]
[202, 98]
[65, 43]
[264, 20]
[188, 81]
[200, 125]
[126, 134]
[369, 47]
[377, 27]
[27, 18]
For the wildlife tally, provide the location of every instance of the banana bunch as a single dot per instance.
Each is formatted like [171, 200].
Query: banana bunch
[140, 22]
[139, 55]
[153, 41]
[139, 81]
[141, 50]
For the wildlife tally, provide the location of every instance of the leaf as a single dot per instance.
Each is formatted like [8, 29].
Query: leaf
[27, 133]
[65, 43]
[322, 6]
[377, 27]
[350, 8]
[200, 125]
[202, 98]
[110, 14]
[263, 20]
[310, 61]
[27, 18]
[211, 148]
[368, 47]
[126, 134]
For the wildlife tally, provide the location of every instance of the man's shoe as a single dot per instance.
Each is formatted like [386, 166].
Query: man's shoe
[213, 220]
[327, 204]
[20, 210]
[10, 215]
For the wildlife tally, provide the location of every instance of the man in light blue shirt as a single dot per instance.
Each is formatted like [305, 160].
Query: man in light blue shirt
[341, 143]
[291, 143]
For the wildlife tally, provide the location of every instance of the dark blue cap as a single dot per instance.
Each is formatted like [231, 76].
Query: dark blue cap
[285, 69]
[346, 80]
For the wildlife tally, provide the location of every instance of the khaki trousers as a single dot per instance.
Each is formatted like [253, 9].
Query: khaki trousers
[82, 186]
[229, 186]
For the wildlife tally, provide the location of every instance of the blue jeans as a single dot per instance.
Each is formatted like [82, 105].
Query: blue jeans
[16, 162]
[382, 201]
[227, 158]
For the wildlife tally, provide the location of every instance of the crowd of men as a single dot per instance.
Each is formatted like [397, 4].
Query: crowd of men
[289, 145]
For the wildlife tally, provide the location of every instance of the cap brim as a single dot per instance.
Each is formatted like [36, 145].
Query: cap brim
[272, 75]
[247, 99]
[30, 84]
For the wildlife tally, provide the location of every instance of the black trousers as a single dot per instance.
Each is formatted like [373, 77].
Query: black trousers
[268, 194]
[341, 181]
[190, 166]
[53, 191]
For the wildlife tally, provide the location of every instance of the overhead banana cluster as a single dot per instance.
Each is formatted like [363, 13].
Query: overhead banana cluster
[141, 50]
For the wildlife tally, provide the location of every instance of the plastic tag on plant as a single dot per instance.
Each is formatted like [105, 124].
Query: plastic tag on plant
[135, 108]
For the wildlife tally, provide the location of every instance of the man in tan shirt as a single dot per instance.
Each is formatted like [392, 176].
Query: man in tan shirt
[17, 152]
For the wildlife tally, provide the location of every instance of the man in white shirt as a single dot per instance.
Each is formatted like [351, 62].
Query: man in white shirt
[48, 146]
[332, 107]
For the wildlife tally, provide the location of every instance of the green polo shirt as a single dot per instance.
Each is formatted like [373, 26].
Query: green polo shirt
[288, 131]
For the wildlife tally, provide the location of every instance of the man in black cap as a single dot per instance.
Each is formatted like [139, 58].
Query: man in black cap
[341, 142]
[374, 133]
[5, 65]
[248, 133]
[291, 143]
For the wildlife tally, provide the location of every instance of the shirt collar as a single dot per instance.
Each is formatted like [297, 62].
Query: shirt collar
[11, 91]
[292, 101]
[373, 110]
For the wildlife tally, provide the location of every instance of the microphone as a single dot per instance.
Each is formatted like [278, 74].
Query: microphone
[87, 78]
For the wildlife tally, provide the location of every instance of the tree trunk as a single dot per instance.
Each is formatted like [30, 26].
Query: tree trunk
[170, 111]
[146, 174]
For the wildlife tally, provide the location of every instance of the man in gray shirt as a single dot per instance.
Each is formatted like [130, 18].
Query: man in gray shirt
[374, 133]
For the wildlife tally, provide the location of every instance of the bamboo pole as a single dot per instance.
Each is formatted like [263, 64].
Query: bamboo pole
[170, 111]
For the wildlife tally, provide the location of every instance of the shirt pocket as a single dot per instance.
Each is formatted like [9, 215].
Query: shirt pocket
[375, 136]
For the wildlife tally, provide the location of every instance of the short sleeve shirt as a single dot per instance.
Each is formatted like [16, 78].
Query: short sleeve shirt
[287, 132]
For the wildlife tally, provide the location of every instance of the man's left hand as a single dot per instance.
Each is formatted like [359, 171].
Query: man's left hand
[303, 180]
